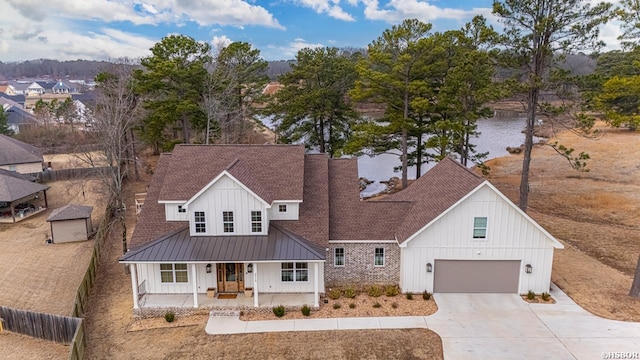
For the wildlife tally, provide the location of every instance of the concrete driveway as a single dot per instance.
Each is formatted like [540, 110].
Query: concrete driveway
[501, 326]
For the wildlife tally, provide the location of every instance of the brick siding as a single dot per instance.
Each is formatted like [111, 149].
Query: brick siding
[359, 269]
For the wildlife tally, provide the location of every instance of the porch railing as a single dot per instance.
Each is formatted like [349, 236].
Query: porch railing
[142, 289]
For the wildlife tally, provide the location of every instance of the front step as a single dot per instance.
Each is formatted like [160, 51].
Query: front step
[216, 313]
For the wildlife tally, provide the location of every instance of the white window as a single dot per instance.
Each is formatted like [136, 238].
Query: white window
[294, 272]
[256, 221]
[227, 221]
[282, 208]
[174, 273]
[480, 228]
[378, 258]
[200, 222]
[181, 209]
[338, 257]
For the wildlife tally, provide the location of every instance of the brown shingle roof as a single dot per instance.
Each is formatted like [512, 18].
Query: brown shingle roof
[151, 221]
[433, 193]
[313, 223]
[13, 151]
[70, 212]
[354, 219]
[13, 188]
[255, 164]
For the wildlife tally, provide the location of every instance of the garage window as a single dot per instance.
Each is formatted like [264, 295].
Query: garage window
[480, 228]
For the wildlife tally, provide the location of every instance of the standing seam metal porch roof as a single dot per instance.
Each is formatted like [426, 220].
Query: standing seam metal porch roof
[179, 246]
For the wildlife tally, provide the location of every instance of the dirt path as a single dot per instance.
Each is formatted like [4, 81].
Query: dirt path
[595, 214]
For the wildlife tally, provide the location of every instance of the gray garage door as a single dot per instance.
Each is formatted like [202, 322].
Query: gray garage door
[476, 276]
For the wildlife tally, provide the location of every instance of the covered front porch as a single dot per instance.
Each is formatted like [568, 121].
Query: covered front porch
[179, 270]
[186, 300]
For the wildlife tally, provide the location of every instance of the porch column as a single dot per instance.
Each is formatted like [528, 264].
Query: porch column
[316, 298]
[194, 273]
[255, 284]
[133, 269]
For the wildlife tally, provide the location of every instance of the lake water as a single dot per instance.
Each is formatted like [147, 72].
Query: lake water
[496, 134]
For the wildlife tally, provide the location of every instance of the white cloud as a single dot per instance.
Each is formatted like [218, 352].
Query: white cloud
[290, 50]
[204, 12]
[396, 11]
[22, 39]
[329, 7]
[220, 42]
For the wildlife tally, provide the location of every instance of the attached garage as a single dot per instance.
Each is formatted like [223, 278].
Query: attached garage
[476, 276]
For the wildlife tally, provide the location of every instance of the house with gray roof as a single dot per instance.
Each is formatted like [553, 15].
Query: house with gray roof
[18, 156]
[20, 197]
[279, 221]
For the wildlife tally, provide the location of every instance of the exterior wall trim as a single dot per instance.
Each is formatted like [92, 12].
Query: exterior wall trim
[363, 242]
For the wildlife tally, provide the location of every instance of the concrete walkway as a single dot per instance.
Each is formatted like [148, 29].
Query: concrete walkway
[479, 326]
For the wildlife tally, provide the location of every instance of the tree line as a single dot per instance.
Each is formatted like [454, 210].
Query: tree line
[433, 87]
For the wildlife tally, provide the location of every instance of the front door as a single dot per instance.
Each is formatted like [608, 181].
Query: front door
[230, 277]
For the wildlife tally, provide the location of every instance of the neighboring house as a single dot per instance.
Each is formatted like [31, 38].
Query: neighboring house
[34, 89]
[18, 118]
[278, 220]
[70, 223]
[20, 197]
[8, 89]
[20, 157]
[60, 88]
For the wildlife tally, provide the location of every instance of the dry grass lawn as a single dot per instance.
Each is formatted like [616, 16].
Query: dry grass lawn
[40, 277]
[595, 214]
[72, 161]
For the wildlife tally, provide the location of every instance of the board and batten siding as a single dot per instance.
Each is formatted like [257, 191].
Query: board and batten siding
[151, 274]
[227, 195]
[270, 280]
[510, 236]
[171, 213]
[292, 212]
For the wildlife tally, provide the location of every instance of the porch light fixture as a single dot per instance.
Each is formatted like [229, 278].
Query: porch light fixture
[528, 268]
[208, 268]
[429, 267]
[250, 268]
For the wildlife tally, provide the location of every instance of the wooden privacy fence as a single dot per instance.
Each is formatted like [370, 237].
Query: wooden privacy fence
[66, 174]
[61, 329]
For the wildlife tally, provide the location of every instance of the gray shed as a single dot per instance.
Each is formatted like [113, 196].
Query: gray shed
[70, 223]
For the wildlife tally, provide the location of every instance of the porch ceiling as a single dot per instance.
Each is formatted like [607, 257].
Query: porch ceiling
[179, 246]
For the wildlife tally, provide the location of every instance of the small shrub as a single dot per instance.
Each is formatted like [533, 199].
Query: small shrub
[531, 295]
[376, 305]
[352, 306]
[391, 290]
[337, 306]
[334, 294]
[350, 292]
[241, 313]
[374, 291]
[394, 305]
[409, 296]
[279, 310]
[306, 310]
[426, 295]
[546, 296]
[169, 316]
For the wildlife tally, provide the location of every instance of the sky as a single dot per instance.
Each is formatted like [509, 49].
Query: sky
[111, 29]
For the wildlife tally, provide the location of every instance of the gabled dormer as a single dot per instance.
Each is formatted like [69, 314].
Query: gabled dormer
[240, 199]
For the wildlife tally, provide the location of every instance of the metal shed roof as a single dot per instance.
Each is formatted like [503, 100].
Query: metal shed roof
[179, 246]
